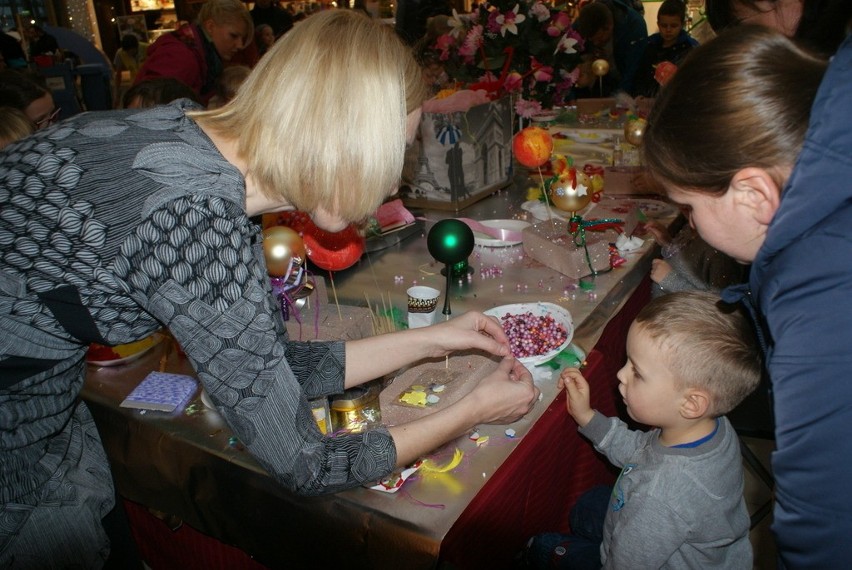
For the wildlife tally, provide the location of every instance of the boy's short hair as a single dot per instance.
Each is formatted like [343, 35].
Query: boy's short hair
[592, 18]
[157, 91]
[673, 8]
[707, 344]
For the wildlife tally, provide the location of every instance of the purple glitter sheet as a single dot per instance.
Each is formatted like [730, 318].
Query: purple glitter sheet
[162, 391]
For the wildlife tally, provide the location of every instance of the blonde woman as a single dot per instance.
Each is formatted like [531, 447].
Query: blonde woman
[14, 125]
[161, 235]
[196, 53]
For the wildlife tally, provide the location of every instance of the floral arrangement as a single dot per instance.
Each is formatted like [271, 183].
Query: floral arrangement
[525, 48]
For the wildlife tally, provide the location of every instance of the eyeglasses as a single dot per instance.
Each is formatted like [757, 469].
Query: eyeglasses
[48, 120]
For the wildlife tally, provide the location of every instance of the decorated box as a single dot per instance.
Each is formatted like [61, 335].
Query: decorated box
[459, 158]
[550, 243]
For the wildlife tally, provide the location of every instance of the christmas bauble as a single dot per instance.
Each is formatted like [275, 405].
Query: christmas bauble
[570, 196]
[634, 130]
[333, 251]
[281, 245]
[450, 241]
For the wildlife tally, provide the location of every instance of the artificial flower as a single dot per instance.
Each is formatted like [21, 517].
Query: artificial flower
[508, 21]
[525, 47]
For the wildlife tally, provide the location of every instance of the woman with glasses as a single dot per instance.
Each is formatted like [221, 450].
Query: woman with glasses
[22, 91]
[116, 223]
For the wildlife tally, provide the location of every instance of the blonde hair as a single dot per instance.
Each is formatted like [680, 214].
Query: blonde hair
[325, 128]
[742, 99]
[14, 125]
[707, 344]
[227, 11]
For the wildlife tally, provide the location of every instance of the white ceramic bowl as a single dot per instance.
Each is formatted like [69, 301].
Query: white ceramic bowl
[560, 315]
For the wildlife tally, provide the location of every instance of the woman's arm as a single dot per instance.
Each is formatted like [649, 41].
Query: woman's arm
[373, 357]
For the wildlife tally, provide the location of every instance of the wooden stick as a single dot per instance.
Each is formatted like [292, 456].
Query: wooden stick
[334, 291]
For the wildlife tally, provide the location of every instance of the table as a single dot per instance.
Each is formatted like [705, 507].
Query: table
[477, 516]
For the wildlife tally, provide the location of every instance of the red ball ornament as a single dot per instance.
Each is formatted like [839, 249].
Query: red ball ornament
[333, 251]
[532, 146]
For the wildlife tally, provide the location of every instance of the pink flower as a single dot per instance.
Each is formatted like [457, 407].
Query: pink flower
[471, 44]
[444, 44]
[514, 82]
[560, 22]
[527, 109]
[541, 72]
[508, 21]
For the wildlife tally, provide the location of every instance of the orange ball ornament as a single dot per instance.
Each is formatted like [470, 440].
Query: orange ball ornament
[532, 146]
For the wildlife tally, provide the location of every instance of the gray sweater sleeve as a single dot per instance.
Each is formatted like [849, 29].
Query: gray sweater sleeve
[213, 294]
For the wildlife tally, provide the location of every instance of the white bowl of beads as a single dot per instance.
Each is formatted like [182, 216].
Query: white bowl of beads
[537, 331]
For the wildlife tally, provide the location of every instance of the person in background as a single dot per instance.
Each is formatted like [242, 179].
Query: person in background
[42, 43]
[678, 502]
[158, 91]
[671, 43]
[197, 53]
[412, 15]
[27, 93]
[11, 52]
[270, 13]
[159, 214]
[821, 24]
[776, 194]
[14, 125]
[629, 35]
[594, 23]
[128, 57]
[264, 38]
[228, 85]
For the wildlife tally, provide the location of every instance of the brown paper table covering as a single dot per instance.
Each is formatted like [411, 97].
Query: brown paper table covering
[188, 466]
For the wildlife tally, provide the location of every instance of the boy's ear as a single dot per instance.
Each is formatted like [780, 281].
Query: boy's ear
[696, 403]
[756, 190]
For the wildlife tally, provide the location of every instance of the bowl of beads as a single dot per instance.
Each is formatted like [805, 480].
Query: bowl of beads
[537, 331]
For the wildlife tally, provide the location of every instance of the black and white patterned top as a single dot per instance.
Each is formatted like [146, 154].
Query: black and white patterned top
[113, 224]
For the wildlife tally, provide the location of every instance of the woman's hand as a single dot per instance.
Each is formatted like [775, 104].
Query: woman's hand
[507, 394]
[470, 330]
[577, 397]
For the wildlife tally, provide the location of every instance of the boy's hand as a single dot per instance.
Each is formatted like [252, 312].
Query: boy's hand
[660, 269]
[577, 396]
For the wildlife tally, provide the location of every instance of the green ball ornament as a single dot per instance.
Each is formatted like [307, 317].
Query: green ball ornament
[450, 241]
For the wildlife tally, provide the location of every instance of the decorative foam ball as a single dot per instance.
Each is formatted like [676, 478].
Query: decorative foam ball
[600, 67]
[532, 146]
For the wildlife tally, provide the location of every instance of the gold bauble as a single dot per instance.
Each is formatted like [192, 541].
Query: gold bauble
[280, 245]
[600, 67]
[634, 130]
[565, 197]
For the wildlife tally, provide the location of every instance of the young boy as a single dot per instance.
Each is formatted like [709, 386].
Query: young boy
[678, 502]
[671, 44]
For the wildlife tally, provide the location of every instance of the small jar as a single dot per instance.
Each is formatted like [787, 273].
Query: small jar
[322, 414]
[357, 409]
[617, 152]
